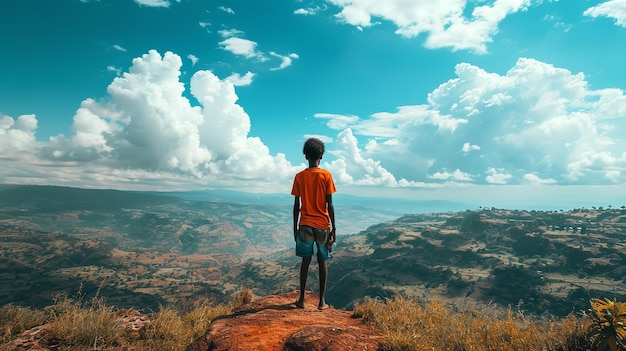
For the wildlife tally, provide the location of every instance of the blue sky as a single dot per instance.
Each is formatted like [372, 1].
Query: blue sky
[501, 102]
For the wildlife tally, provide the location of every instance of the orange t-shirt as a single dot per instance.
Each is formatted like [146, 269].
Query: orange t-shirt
[312, 185]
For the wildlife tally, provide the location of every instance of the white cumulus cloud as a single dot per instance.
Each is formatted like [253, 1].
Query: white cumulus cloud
[467, 147]
[286, 61]
[146, 131]
[497, 176]
[153, 3]
[456, 175]
[193, 58]
[309, 11]
[241, 80]
[533, 179]
[615, 9]
[17, 136]
[336, 121]
[352, 168]
[536, 123]
[242, 47]
[227, 10]
[443, 22]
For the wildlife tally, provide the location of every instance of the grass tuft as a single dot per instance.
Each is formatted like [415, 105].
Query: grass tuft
[16, 319]
[242, 297]
[79, 325]
[171, 330]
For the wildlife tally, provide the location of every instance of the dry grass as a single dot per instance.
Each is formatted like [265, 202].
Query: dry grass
[16, 319]
[409, 325]
[77, 325]
[173, 330]
[406, 323]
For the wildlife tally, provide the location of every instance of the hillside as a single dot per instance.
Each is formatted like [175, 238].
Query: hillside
[144, 250]
[138, 249]
[543, 263]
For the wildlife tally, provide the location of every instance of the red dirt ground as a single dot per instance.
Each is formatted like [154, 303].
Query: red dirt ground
[273, 323]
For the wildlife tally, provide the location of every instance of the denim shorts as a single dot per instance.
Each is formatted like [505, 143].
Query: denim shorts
[304, 248]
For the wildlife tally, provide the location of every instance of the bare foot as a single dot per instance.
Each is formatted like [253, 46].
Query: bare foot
[299, 304]
[322, 306]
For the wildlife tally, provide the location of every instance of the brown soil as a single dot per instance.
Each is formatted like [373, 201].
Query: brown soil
[274, 323]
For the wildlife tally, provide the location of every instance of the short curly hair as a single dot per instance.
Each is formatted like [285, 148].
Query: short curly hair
[313, 149]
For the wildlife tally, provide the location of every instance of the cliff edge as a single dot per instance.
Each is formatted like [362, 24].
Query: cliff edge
[273, 323]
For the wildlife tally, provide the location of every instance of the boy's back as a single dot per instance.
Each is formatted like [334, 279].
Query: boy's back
[313, 185]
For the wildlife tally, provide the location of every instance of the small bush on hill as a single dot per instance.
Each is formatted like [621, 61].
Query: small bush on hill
[608, 329]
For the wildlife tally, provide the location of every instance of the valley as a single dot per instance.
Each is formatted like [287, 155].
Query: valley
[146, 250]
[137, 249]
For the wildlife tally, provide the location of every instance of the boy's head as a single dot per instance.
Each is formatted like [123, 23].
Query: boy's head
[313, 149]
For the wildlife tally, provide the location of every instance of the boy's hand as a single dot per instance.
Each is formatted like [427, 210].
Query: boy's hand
[331, 240]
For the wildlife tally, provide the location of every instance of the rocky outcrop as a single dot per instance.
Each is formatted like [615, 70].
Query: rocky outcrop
[273, 323]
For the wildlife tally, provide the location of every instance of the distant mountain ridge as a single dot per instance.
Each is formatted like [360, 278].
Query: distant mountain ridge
[53, 198]
[76, 198]
[395, 206]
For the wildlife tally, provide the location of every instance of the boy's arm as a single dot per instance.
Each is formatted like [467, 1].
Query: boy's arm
[331, 214]
[296, 214]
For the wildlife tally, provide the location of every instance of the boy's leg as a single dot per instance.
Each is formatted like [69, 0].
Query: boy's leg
[321, 236]
[304, 272]
[323, 274]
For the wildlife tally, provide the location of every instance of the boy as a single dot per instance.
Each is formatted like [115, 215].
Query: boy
[313, 206]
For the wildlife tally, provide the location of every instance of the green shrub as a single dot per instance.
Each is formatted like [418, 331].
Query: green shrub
[608, 330]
